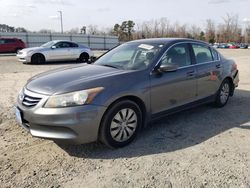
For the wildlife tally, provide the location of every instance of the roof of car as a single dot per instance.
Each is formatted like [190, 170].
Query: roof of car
[166, 40]
[62, 41]
[9, 38]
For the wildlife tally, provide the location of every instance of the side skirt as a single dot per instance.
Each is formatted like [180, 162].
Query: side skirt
[199, 102]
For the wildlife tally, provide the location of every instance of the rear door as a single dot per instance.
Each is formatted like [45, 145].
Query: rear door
[172, 89]
[209, 69]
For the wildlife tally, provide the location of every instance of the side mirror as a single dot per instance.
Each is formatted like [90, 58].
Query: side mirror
[168, 68]
[53, 47]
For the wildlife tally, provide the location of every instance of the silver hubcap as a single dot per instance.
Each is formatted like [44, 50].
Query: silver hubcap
[224, 93]
[123, 125]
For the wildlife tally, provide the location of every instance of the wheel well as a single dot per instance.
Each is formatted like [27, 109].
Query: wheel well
[231, 85]
[38, 54]
[136, 100]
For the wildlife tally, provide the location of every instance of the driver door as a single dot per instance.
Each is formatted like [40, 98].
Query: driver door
[61, 52]
[174, 88]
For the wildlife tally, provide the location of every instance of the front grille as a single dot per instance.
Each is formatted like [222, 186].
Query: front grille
[20, 53]
[30, 101]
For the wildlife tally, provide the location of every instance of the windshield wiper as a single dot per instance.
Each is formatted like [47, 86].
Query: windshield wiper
[112, 66]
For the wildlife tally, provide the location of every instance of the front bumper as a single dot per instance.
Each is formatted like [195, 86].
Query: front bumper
[78, 124]
[24, 58]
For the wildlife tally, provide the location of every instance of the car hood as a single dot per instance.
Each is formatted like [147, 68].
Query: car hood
[71, 78]
[32, 49]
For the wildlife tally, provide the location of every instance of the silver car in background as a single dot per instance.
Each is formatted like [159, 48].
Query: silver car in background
[57, 50]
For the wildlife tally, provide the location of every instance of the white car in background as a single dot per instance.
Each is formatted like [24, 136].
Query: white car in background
[57, 50]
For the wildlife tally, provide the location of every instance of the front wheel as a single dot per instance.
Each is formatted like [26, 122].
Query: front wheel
[37, 59]
[223, 94]
[120, 124]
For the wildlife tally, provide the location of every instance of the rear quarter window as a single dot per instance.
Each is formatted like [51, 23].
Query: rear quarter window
[73, 45]
[215, 54]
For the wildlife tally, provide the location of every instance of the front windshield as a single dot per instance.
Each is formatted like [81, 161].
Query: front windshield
[48, 44]
[131, 56]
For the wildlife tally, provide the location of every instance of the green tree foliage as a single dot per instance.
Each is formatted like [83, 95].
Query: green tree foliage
[7, 28]
[125, 30]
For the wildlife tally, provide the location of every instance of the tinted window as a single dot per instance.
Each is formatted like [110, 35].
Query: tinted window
[215, 55]
[63, 45]
[2, 41]
[178, 55]
[202, 53]
[73, 45]
[9, 41]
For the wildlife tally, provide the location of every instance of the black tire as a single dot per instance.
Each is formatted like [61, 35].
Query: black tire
[84, 58]
[223, 94]
[115, 132]
[37, 59]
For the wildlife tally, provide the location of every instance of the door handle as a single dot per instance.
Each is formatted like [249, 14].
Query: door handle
[190, 73]
[218, 66]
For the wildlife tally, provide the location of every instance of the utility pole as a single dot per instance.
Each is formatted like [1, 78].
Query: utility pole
[61, 21]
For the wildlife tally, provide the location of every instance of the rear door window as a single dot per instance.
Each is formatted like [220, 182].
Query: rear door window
[202, 53]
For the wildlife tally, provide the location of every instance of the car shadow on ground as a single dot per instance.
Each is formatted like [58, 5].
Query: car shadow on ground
[176, 132]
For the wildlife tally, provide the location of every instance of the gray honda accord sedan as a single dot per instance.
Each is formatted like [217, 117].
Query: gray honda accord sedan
[113, 98]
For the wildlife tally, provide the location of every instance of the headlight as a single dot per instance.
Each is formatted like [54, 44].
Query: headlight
[73, 99]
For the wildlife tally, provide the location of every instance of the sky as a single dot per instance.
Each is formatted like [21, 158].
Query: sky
[43, 14]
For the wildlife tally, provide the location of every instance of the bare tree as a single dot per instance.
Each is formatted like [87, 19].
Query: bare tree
[92, 29]
[164, 25]
[45, 31]
[74, 31]
[194, 32]
[230, 30]
[210, 31]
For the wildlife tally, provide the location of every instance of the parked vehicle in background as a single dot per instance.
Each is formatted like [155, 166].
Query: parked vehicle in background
[216, 45]
[223, 45]
[57, 50]
[233, 46]
[11, 45]
[243, 46]
[129, 86]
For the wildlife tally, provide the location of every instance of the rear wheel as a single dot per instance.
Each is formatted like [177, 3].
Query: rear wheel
[223, 94]
[120, 124]
[84, 57]
[37, 59]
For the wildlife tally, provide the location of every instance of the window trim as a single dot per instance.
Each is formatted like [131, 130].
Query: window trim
[219, 58]
[205, 61]
[194, 63]
[189, 53]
